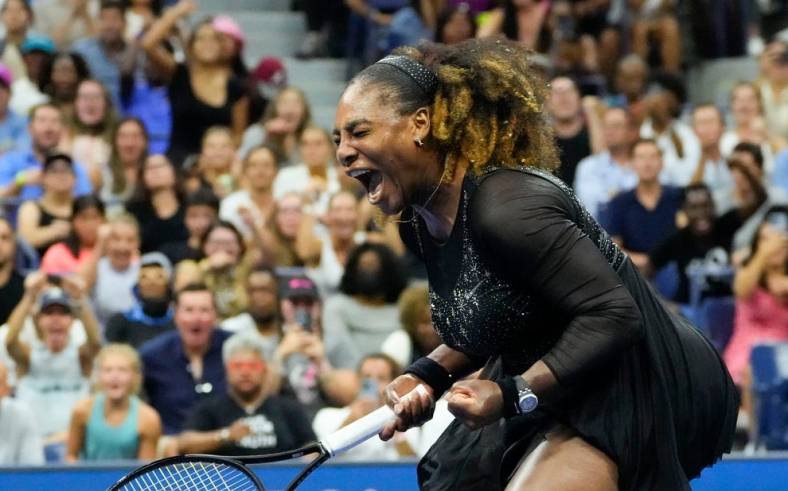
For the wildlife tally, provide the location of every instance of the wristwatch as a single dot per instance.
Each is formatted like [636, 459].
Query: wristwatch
[526, 399]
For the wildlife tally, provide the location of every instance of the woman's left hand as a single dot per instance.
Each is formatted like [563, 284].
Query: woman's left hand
[476, 403]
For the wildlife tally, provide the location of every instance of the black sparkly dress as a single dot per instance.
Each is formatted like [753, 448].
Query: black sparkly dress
[527, 275]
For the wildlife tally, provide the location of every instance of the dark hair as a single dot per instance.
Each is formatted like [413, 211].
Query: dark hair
[752, 149]
[115, 166]
[118, 5]
[80, 204]
[391, 362]
[45, 80]
[193, 287]
[445, 16]
[202, 197]
[488, 108]
[57, 157]
[226, 225]
[758, 188]
[143, 195]
[391, 271]
[697, 186]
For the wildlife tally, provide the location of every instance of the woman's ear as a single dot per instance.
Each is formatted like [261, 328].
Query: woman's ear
[421, 124]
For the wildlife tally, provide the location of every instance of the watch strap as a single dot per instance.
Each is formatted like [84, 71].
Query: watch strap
[511, 400]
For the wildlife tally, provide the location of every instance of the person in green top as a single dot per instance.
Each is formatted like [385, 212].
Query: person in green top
[114, 423]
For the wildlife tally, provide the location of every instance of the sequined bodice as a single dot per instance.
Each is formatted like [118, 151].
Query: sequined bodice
[478, 311]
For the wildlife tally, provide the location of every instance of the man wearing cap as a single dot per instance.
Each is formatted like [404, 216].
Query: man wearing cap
[13, 127]
[108, 54]
[53, 367]
[36, 52]
[151, 314]
[302, 355]
[20, 170]
[184, 367]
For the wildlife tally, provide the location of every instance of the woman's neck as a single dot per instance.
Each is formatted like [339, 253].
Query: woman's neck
[15, 38]
[262, 198]
[440, 208]
[56, 200]
[116, 404]
[165, 202]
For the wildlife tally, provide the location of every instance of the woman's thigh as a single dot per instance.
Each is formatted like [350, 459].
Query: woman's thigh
[565, 462]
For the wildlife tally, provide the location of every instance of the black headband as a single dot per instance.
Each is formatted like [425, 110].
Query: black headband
[423, 76]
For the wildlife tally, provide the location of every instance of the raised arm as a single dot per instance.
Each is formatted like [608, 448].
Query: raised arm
[74, 286]
[18, 349]
[158, 32]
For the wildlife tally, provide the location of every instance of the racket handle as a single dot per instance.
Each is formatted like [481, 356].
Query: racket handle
[362, 429]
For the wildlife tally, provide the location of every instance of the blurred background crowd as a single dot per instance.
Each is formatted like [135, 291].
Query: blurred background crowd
[185, 268]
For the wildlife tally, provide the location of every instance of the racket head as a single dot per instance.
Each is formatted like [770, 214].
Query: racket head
[191, 473]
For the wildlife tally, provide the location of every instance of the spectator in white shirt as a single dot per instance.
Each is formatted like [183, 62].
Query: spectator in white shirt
[678, 143]
[253, 205]
[20, 443]
[601, 176]
[712, 168]
[316, 179]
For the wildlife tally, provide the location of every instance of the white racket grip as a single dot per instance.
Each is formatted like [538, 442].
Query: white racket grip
[362, 429]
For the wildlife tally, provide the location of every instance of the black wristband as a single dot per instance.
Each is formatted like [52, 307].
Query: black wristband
[510, 397]
[433, 374]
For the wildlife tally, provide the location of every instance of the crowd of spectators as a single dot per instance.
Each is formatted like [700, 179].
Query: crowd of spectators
[185, 268]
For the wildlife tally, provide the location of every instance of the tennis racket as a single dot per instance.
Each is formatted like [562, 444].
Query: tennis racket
[217, 473]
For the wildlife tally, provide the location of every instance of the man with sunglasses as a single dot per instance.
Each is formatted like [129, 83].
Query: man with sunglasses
[246, 419]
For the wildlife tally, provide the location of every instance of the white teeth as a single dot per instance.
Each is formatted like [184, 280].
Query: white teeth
[358, 172]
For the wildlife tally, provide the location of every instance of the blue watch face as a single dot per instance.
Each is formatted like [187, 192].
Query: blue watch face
[528, 403]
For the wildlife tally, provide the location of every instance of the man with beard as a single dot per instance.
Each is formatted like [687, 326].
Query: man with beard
[151, 315]
[704, 242]
[262, 313]
[246, 419]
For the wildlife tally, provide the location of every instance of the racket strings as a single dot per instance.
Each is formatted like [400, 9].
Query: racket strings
[192, 476]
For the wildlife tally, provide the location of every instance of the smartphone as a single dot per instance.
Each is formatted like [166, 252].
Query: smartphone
[369, 389]
[55, 279]
[304, 319]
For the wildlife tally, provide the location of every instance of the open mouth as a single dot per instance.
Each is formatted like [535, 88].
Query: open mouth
[372, 181]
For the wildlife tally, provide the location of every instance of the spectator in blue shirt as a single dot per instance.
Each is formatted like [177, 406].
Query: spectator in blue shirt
[184, 367]
[20, 170]
[13, 127]
[601, 176]
[144, 95]
[638, 220]
[108, 54]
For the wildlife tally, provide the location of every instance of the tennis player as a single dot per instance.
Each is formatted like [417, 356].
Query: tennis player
[600, 387]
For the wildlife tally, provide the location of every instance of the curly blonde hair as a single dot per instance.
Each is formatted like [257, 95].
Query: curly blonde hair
[488, 108]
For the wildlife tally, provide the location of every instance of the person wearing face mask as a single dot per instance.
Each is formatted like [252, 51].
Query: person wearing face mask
[365, 312]
[151, 313]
